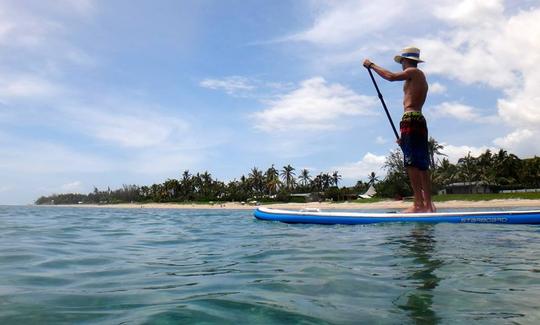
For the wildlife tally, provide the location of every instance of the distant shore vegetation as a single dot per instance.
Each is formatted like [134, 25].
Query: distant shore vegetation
[501, 171]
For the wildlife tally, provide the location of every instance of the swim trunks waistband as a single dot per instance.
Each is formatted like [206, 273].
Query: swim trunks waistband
[412, 114]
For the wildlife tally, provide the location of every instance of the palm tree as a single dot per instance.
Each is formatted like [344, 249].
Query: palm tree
[272, 180]
[530, 172]
[144, 192]
[304, 177]
[468, 171]
[206, 176]
[288, 176]
[157, 192]
[434, 148]
[484, 164]
[445, 173]
[336, 177]
[326, 180]
[507, 167]
[256, 179]
[317, 183]
[197, 186]
[186, 184]
[186, 175]
[245, 187]
[206, 185]
[372, 178]
[171, 188]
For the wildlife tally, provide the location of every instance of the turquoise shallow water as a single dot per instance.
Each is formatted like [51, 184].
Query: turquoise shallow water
[109, 266]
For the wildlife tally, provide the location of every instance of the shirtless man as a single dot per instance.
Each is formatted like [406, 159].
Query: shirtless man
[414, 134]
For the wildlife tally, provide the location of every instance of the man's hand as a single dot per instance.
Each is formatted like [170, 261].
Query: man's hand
[398, 141]
[368, 63]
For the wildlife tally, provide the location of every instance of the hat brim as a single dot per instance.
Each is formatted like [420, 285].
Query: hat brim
[398, 59]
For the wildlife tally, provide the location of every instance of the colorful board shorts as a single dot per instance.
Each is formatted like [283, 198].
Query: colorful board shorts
[414, 140]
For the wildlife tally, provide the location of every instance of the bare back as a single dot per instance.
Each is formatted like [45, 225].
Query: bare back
[415, 90]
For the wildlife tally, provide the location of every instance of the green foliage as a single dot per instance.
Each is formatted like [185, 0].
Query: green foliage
[501, 169]
[394, 186]
[396, 183]
[283, 195]
[70, 198]
[486, 197]
[333, 193]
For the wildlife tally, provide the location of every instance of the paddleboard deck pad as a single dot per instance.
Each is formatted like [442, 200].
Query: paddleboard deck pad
[352, 218]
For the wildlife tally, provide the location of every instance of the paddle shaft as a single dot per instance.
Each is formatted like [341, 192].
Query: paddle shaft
[383, 103]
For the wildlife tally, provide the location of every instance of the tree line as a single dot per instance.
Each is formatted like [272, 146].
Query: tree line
[501, 169]
[271, 184]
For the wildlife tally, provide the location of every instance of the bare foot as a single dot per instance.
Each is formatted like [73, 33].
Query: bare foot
[430, 208]
[414, 209]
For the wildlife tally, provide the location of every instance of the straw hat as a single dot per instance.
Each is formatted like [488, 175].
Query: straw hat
[411, 53]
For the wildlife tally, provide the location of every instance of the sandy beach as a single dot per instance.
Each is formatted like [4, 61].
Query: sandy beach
[508, 203]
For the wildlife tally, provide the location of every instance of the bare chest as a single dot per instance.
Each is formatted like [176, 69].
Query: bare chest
[407, 86]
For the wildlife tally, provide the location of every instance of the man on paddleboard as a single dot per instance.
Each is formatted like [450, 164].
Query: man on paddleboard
[414, 133]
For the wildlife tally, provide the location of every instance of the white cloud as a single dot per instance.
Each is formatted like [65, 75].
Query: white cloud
[521, 142]
[486, 45]
[349, 20]
[53, 187]
[437, 88]
[30, 168]
[346, 31]
[454, 153]
[20, 28]
[361, 169]
[27, 87]
[490, 43]
[316, 105]
[130, 130]
[80, 58]
[153, 141]
[522, 108]
[72, 187]
[471, 12]
[70, 133]
[345, 22]
[231, 85]
[33, 37]
[456, 110]
[514, 137]
[84, 7]
[165, 160]
[280, 85]
[38, 157]
[381, 140]
[502, 45]
[240, 86]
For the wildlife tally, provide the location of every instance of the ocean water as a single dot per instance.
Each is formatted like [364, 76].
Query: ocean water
[142, 266]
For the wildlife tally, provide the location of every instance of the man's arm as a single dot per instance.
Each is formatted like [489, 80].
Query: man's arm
[388, 75]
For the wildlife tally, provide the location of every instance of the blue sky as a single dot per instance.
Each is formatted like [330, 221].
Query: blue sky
[105, 93]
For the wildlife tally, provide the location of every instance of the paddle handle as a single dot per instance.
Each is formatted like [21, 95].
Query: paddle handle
[383, 103]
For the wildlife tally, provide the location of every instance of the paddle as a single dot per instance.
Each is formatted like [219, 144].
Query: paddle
[383, 103]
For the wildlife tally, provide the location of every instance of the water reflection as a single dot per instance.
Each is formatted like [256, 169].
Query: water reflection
[420, 245]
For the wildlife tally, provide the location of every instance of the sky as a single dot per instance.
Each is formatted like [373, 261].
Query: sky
[98, 93]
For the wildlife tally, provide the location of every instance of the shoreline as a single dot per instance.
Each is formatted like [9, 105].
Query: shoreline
[502, 203]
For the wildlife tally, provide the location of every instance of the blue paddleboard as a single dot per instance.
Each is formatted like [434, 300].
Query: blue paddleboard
[352, 218]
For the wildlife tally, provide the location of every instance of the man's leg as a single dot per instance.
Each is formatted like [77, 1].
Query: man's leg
[425, 181]
[416, 184]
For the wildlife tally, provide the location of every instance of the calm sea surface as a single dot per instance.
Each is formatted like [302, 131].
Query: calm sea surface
[112, 266]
